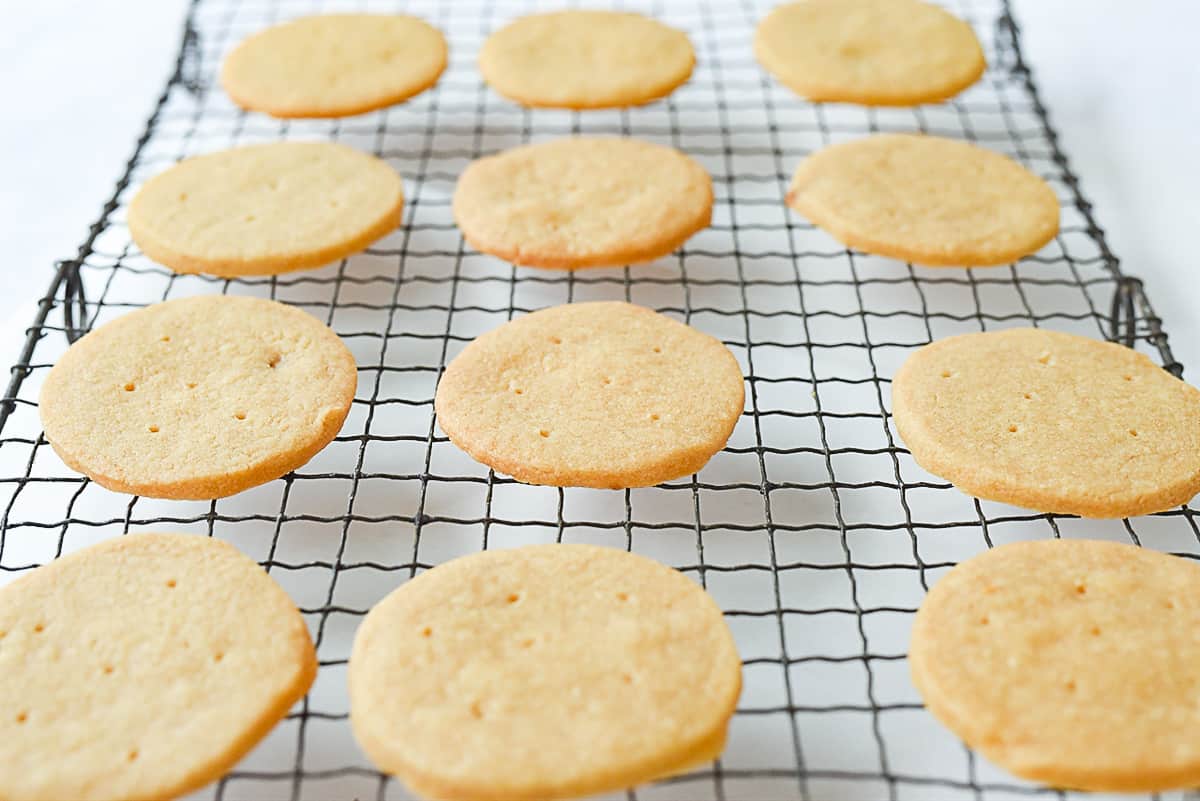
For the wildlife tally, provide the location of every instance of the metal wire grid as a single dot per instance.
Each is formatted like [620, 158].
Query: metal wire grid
[814, 528]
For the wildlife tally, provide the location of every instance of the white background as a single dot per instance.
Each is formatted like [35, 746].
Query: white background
[1121, 80]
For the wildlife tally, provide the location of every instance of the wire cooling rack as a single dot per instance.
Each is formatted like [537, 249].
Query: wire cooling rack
[814, 529]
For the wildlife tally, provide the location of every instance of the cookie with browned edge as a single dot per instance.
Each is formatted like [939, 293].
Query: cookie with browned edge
[603, 394]
[1068, 662]
[265, 209]
[873, 52]
[198, 397]
[583, 59]
[927, 200]
[334, 65]
[583, 202]
[1051, 421]
[143, 668]
[543, 672]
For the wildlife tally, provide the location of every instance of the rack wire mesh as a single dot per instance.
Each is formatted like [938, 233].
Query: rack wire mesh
[814, 529]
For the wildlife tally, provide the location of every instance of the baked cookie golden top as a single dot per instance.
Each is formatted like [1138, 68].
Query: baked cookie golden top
[606, 394]
[198, 397]
[874, 52]
[334, 65]
[1051, 421]
[142, 668]
[265, 209]
[543, 672]
[586, 59]
[582, 202]
[1069, 662]
[926, 199]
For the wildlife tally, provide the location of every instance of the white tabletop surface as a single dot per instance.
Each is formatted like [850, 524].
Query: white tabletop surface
[1120, 80]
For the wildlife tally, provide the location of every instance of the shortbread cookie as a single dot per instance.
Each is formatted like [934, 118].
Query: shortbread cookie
[874, 52]
[586, 59]
[142, 668]
[1069, 662]
[542, 672]
[926, 200]
[607, 395]
[1051, 421]
[265, 209]
[583, 202]
[334, 65]
[199, 397]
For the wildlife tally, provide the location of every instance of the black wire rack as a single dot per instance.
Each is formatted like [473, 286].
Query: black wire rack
[814, 529]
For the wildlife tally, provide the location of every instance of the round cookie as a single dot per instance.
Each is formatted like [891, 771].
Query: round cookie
[1050, 421]
[582, 202]
[543, 672]
[606, 395]
[265, 209]
[143, 668]
[198, 398]
[1068, 662]
[334, 65]
[926, 200]
[874, 52]
[586, 59]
